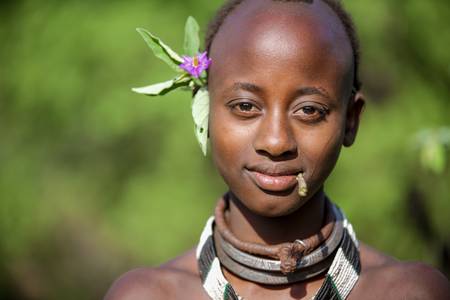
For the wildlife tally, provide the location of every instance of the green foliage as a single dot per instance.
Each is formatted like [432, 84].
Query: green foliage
[434, 146]
[191, 37]
[162, 88]
[161, 50]
[200, 104]
[95, 179]
[200, 113]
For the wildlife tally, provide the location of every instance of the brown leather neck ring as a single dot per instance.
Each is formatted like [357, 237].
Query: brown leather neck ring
[287, 253]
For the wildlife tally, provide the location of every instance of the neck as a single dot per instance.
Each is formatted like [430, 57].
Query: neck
[250, 227]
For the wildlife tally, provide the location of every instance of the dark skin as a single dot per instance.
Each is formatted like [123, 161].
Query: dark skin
[281, 103]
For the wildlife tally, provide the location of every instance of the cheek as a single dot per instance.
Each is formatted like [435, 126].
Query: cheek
[321, 150]
[228, 142]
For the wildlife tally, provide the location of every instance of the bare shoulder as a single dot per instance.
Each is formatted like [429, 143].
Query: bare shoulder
[177, 279]
[389, 278]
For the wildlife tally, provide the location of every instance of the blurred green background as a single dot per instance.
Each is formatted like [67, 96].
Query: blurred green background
[96, 180]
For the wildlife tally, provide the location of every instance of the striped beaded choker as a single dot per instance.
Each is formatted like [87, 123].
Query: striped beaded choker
[338, 254]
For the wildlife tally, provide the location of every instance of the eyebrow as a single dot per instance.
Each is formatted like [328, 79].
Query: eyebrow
[303, 91]
[311, 90]
[249, 87]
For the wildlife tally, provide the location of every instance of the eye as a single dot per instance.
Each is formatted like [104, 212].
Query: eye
[244, 108]
[311, 113]
[309, 110]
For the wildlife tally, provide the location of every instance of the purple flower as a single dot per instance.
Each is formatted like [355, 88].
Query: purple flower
[196, 65]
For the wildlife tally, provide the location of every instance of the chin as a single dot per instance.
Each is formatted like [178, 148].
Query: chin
[271, 204]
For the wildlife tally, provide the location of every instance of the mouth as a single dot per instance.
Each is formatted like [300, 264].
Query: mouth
[274, 179]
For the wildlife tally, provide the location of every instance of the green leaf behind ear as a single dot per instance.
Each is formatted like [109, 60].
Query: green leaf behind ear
[200, 113]
[191, 37]
[161, 50]
[163, 88]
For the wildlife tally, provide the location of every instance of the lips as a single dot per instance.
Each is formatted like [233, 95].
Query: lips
[274, 179]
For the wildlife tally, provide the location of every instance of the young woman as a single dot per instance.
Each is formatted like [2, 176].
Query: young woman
[285, 98]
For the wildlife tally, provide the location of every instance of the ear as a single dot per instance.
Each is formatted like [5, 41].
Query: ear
[354, 110]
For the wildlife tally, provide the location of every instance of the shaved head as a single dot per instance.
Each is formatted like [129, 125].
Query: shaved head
[326, 18]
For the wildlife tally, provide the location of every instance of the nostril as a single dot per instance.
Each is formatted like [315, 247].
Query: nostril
[286, 155]
[276, 146]
[275, 137]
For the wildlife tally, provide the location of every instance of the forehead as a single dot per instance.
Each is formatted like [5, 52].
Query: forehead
[270, 38]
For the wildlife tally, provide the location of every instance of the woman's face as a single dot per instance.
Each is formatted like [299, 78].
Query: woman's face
[280, 84]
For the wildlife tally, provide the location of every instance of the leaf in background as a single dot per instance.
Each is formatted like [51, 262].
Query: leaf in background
[191, 37]
[161, 50]
[433, 155]
[200, 113]
[162, 88]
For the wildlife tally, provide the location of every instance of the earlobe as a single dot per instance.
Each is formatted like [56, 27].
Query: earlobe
[354, 110]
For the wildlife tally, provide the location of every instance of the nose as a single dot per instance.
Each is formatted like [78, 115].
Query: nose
[275, 137]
